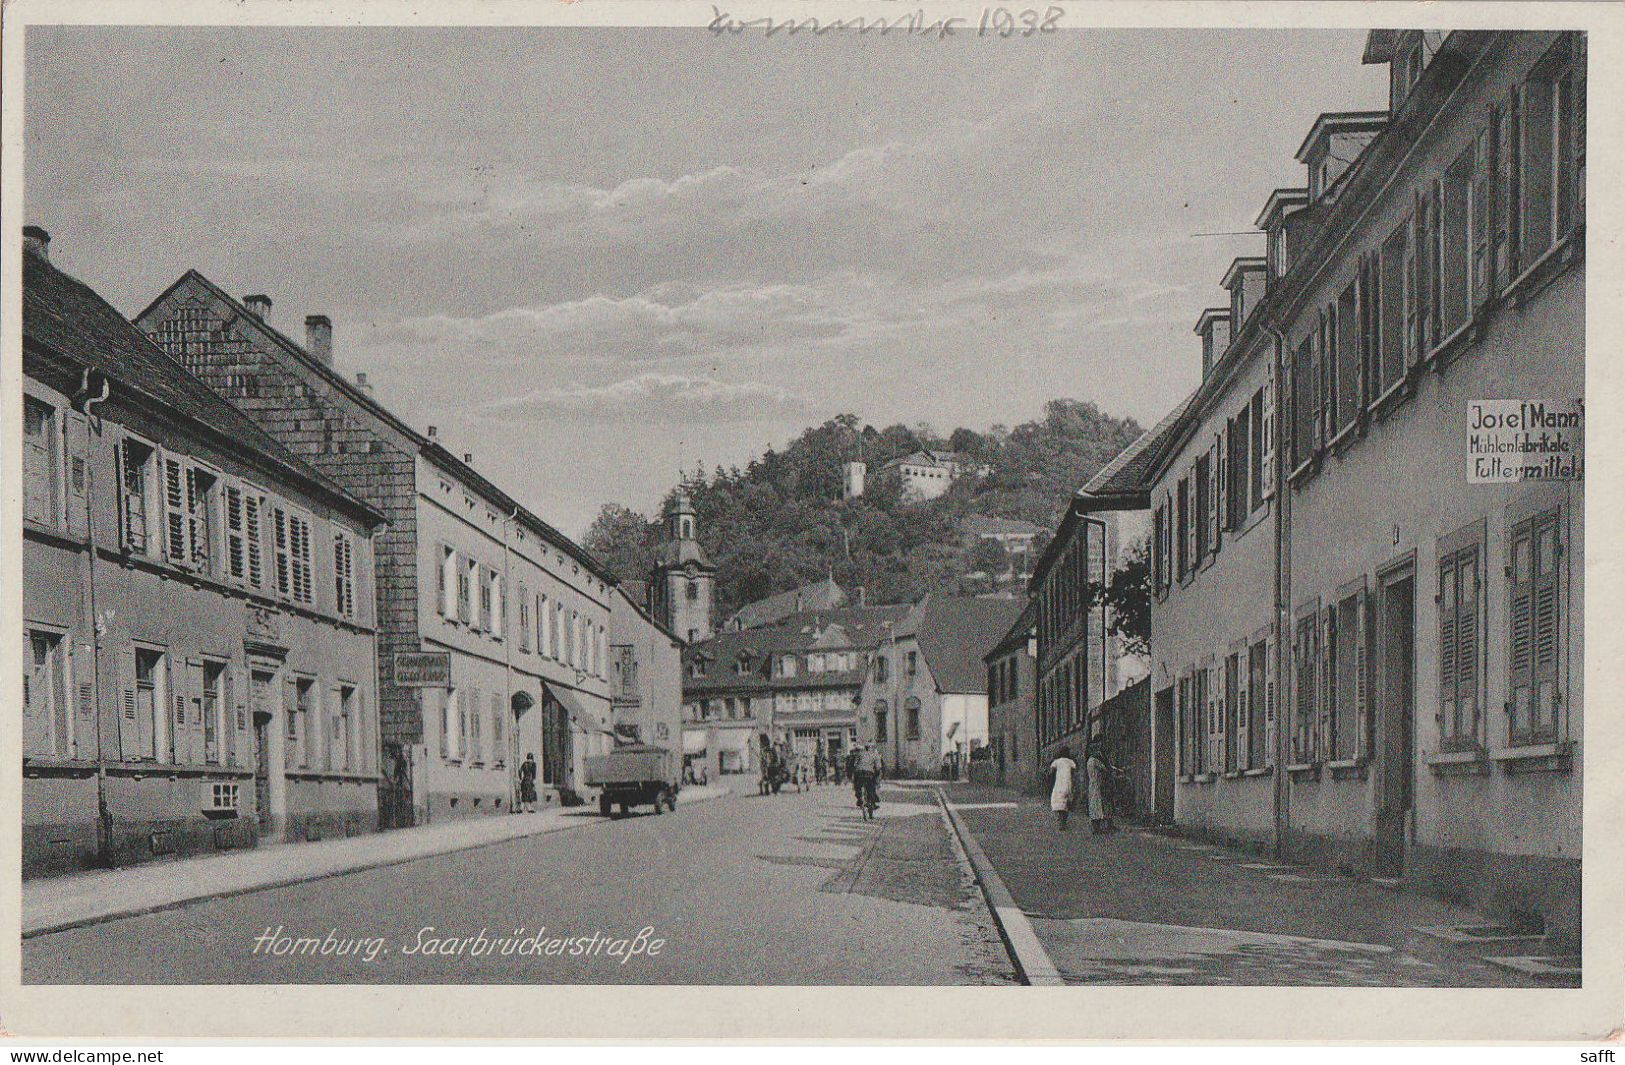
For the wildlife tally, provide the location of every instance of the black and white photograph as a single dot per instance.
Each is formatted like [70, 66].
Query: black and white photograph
[887, 496]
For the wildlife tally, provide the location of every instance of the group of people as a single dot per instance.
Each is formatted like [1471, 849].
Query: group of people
[1063, 786]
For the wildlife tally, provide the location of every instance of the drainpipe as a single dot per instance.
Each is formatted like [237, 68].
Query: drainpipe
[512, 758]
[84, 400]
[1283, 577]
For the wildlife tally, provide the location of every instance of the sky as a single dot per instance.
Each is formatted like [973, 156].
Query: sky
[594, 258]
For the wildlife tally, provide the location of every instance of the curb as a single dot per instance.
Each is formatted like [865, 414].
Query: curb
[309, 878]
[1032, 962]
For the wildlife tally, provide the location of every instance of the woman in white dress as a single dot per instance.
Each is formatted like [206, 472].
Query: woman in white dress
[1060, 795]
[1095, 768]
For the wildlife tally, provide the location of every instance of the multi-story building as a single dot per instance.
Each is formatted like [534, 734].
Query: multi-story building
[795, 682]
[925, 474]
[924, 699]
[493, 627]
[646, 675]
[1367, 631]
[1012, 703]
[200, 661]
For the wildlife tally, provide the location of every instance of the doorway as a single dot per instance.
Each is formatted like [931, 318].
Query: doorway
[1163, 738]
[263, 685]
[1396, 722]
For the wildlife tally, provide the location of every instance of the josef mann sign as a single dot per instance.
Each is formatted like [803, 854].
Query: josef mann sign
[429, 669]
[1511, 440]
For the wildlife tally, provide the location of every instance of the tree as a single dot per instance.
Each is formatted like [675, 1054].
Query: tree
[624, 541]
[1129, 597]
[990, 556]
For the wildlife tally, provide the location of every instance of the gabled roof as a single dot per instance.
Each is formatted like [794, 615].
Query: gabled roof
[927, 457]
[67, 318]
[1279, 203]
[954, 632]
[1331, 122]
[1021, 630]
[431, 449]
[1240, 265]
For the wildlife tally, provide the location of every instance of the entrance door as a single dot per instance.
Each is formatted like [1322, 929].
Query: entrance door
[263, 686]
[1397, 719]
[1163, 798]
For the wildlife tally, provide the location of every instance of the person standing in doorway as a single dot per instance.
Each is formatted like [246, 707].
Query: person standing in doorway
[1060, 794]
[527, 784]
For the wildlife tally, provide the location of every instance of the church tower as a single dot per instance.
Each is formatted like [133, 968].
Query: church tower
[684, 579]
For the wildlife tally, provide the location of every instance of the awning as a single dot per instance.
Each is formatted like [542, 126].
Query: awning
[693, 742]
[581, 716]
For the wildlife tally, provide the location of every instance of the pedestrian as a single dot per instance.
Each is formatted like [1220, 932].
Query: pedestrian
[818, 767]
[1060, 794]
[866, 769]
[1095, 767]
[852, 773]
[527, 784]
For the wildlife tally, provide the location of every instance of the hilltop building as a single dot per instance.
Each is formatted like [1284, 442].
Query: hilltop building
[927, 474]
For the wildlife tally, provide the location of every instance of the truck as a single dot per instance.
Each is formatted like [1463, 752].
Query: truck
[634, 774]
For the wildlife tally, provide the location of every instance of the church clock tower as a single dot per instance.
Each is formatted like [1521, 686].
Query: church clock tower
[684, 578]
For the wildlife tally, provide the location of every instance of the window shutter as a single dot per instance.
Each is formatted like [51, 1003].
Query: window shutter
[236, 540]
[126, 538]
[1521, 642]
[1270, 726]
[1545, 627]
[1267, 426]
[1578, 113]
[197, 753]
[1448, 642]
[1326, 743]
[253, 509]
[1221, 487]
[290, 724]
[1362, 678]
[1470, 588]
[175, 544]
[1514, 183]
[1215, 739]
[1240, 711]
[134, 741]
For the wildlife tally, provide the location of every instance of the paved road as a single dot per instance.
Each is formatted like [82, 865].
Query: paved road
[789, 889]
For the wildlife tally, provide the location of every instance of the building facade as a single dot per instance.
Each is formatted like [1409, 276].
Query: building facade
[200, 656]
[514, 616]
[925, 474]
[1012, 704]
[1367, 619]
[925, 698]
[796, 682]
[646, 675]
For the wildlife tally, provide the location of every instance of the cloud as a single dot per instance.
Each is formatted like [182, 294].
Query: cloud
[661, 396]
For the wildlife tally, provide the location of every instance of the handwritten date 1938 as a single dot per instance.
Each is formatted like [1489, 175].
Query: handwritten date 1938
[995, 22]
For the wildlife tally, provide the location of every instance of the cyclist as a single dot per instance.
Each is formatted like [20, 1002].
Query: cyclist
[866, 770]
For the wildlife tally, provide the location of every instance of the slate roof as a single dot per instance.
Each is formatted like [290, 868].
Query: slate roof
[863, 627]
[1025, 625]
[822, 594]
[954, 632]
[65, 317]
[1130, 472]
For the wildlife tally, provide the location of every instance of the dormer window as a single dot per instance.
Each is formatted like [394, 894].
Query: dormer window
[1273, 221]
[1214, 329]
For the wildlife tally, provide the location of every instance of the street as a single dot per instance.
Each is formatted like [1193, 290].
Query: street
[786, 889]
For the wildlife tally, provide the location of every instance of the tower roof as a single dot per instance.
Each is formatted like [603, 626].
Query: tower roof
[675, 554]
[680, 503]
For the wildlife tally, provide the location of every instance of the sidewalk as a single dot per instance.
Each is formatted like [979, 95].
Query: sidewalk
[1138, 907]
[51, 904]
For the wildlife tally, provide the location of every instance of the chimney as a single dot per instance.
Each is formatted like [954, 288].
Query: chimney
[468, 458]
[38, 241]
[258, 306]
[361, 383]
[319, 341]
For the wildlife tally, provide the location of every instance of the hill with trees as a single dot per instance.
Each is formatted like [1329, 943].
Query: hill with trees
[780, 522]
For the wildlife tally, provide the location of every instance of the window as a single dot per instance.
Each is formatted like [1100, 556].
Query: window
[303, 737]
[200, 491]
[1456, 243]
[42, 478]
[1256, 665]
[880, 721]
[1232, 713]
[912, 659]
[787, 666]
[473, 717]
[1345, 669]
[1348, 357]
[342, 755]
[467, 576]
[882, 670]
[146, 702]
[544, 624]
[216, 696]
[556, 636]
[343, 574]
[1535, 615]
[1303, 402]
[1460, 591]
[45, 698]
[692, 590]
[524, 618]
[1239, 467]
[135, 469]
[499, 606]
[1204, 502]
[485, 579]
[1545, 174]
[499, 733]
[1306, 646]
[911, 711]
